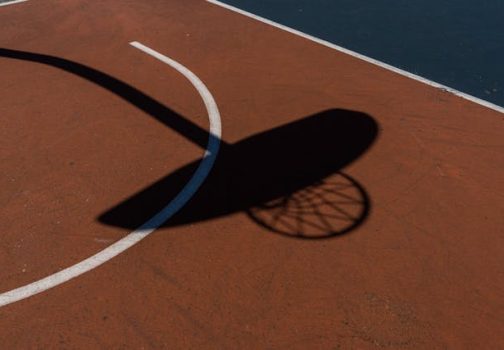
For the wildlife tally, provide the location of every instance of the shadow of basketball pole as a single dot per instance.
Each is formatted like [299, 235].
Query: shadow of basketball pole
[287, 179]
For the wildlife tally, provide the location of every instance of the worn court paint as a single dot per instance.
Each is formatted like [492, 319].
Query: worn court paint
[157, 220]
[459, 44]
[9, 2]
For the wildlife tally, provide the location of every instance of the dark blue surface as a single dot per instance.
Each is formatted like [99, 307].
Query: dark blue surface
[458, 43]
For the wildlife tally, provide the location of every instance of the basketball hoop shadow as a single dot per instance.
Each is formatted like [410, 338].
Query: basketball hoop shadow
[287, 179]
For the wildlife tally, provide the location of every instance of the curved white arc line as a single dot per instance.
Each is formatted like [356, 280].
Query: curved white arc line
[157, 220]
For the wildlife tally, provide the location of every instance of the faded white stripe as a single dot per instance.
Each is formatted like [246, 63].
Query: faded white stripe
[361, 57]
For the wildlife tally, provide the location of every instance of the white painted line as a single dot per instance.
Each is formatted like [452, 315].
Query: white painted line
[157, 220]
[12, 2]
[361, 57]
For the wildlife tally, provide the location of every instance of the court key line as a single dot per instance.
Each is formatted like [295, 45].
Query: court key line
[11, 2]
[360, 56]
[157, 220]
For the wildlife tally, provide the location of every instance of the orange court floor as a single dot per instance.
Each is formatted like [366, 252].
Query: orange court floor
[349, 207]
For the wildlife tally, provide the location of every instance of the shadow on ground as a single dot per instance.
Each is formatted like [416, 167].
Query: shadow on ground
[288, 179]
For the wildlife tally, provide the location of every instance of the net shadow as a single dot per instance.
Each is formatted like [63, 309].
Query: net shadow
[288, 179]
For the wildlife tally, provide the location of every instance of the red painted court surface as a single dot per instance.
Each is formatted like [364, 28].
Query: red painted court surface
[349, 207]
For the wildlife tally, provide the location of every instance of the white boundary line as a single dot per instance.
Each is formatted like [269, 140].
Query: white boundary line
[361, 57]
[157, 220]
[11, 2]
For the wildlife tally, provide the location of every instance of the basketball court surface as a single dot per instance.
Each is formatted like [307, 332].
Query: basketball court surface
[226, 175]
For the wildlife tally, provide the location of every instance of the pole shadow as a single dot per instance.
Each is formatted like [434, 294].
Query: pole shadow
[288, 179]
